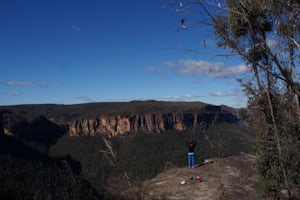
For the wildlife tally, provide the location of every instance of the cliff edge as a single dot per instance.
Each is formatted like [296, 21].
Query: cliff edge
[221, 178]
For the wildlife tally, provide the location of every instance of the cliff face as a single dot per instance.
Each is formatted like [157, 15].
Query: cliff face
[23, 123]
[114, 125]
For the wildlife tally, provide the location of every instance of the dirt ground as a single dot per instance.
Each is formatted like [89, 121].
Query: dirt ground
[223, 179]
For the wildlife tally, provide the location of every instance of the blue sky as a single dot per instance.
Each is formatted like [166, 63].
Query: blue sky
[80, 51]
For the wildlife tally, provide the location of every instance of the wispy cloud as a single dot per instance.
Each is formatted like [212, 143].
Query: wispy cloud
[214, 70]
[187, 97]
[198, 67]
[76, 28]
[84, 98]
[14, 93]
[10, 93]
[169, 64]
[25, 83]
[227, 93]
[157, 71]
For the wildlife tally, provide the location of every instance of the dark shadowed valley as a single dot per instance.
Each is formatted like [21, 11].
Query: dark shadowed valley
[86, 150]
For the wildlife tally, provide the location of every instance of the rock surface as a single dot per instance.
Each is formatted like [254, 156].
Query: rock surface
[119, 118]
[224, 179]
[113, 125]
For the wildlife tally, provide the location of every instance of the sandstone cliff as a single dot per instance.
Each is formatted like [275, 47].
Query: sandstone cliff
[92, 119]
[113, 125]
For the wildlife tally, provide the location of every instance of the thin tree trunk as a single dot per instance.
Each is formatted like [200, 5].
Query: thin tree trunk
[277, 137]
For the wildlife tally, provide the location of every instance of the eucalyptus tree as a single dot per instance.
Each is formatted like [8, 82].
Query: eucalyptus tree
[266, 35]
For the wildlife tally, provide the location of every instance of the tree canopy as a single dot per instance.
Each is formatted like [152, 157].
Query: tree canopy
[266, 35]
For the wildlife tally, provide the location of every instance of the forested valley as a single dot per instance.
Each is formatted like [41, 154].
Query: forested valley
[89, 167]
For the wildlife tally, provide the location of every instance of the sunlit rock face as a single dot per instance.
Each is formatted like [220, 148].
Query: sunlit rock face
[24, 123]
[150, 122]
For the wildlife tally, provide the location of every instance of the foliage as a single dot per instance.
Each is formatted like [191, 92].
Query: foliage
[150, 153]
[26, 173]
[95, 166]
[265, 34]
[142, 155]
[99, 166]
[21, 179]
[86, 150]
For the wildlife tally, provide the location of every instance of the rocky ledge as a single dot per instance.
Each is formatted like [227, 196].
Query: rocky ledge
[224, 178]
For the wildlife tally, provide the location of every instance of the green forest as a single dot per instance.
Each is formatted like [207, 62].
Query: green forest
[82, 168]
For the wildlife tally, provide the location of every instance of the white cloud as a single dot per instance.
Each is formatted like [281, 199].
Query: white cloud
[10, 93]
[150, 68]
[14, 93]
[226, 94]
[25, 83]
[76, 28]
[169, 64]
[84, 98]
[186, 97]
[156, 71]
[214, 70]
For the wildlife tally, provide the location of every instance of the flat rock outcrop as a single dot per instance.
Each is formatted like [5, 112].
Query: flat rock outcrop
[225, 178]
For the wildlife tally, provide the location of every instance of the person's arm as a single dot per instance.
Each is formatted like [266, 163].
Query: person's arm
[194, 144]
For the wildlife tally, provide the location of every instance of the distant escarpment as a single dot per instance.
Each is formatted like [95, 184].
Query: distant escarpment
[157, 122]
[115, 119]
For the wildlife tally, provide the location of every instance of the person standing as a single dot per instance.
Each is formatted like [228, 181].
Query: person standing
[191, 153]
